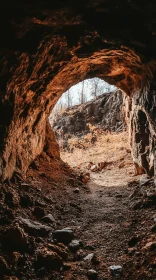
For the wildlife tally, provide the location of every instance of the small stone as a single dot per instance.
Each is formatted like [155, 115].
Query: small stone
[92, 274]
[92, 258]
[75, 245]
[48, 219]
[94, 168]
[39, 212]
[89, 257]
[115, 270]
[76, 190]
[64, 236]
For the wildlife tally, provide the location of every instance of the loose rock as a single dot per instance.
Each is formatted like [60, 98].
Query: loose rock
[34, 228]
[48, 219]
[76, 190]
[75, 245]
[92, 274]
[115, 270]
[64, 236]
[39, 212]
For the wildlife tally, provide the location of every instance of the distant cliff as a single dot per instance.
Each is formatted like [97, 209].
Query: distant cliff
[105, 112]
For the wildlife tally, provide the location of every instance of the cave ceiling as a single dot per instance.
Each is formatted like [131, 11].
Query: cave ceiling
[131, 23]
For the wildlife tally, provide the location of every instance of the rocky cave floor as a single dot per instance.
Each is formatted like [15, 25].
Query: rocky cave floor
[113, 225]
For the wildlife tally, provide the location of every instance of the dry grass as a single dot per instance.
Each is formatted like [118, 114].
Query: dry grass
[109, 147]
[112, 148]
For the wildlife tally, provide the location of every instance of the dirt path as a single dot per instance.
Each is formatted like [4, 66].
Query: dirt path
[98, 213]
[102, 219]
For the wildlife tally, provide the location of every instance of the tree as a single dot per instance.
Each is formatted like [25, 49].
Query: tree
[94, 85]
[82, 93]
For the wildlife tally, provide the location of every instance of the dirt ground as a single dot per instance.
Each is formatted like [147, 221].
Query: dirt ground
[111, 217]
[112, 148]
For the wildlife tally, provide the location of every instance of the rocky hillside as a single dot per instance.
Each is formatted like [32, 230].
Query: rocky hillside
[105, 113]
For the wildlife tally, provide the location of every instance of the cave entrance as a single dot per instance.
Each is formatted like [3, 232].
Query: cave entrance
[91, 131]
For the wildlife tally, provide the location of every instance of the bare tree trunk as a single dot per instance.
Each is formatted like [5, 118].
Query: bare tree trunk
[96, 86]
[82, 93]
[68, 99]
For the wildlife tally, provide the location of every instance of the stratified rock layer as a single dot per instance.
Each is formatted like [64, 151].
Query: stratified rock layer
[47, 47]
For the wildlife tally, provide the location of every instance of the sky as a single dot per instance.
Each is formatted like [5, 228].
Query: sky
[72, 97]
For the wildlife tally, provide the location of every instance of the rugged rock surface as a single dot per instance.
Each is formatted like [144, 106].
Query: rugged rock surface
[105, 112]
[47, 47]
[106, 226]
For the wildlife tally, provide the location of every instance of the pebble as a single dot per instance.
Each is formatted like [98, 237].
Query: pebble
[92, 274]
[75, 245]
[76, 190]
[89, 257]
[48, 219]
[39, 212]
[115, 269]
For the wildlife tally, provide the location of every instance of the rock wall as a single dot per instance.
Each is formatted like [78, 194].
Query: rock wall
[47, 47]
[105, 112]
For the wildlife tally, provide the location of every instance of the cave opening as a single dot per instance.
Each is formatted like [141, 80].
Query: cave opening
[90, 127]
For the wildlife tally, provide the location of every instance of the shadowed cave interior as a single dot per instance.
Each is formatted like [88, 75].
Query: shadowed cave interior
[46, 48]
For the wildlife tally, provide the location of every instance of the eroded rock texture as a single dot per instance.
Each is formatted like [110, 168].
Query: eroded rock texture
[47, 47]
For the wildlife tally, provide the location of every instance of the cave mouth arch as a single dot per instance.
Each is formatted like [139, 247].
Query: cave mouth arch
[91, 132]
[37, 93]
